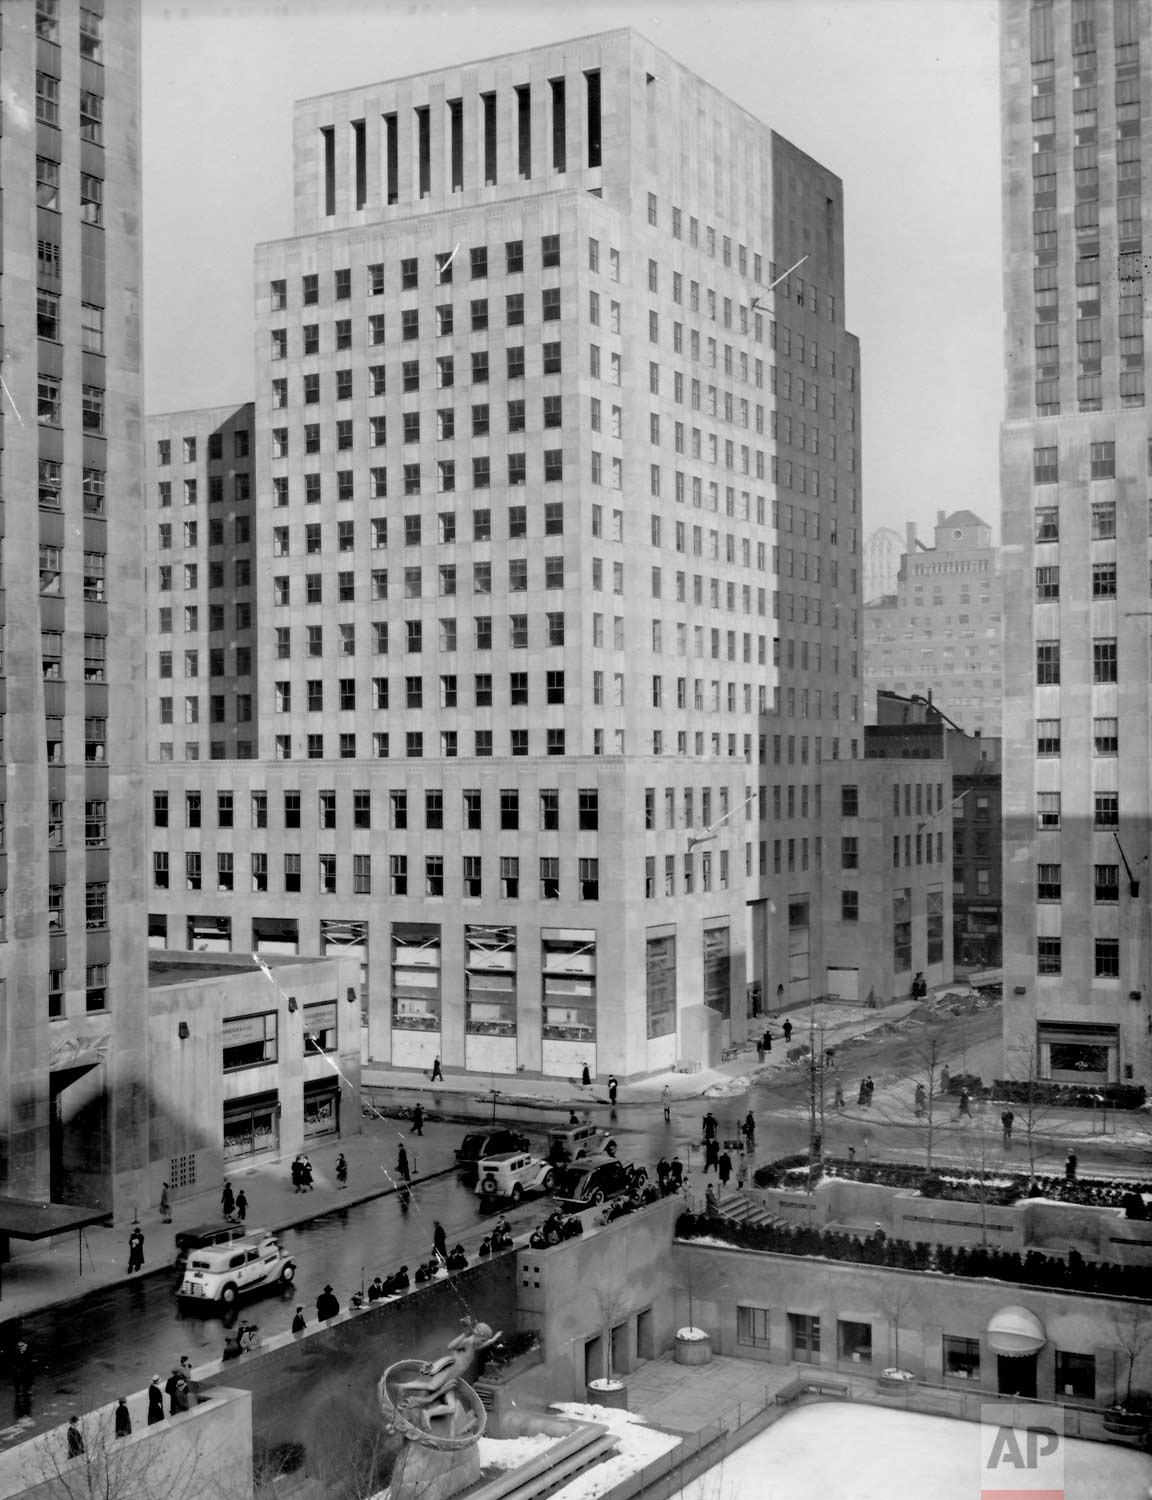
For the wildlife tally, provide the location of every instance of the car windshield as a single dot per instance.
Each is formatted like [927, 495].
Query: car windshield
[473, 1145]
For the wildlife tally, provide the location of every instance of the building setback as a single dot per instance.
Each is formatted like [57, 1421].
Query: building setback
[554, 568]
[938, 633]
[1075, 460]
[73, 1067]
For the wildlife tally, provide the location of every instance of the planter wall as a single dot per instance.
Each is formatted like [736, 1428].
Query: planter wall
[692, 1351]
[616, 1395]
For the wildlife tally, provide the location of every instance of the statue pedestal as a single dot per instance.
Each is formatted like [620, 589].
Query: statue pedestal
[423, 1473]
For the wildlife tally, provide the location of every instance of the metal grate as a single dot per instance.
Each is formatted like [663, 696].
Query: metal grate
[182, 1171]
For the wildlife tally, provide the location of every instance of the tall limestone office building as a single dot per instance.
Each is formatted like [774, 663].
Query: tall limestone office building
[520, 656]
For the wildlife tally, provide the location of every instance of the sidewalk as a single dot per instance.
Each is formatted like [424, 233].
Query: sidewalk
[51, 1272]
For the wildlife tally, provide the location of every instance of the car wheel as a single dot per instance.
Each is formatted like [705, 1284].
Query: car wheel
[549, 1181]
[287, 1275]
[610, 1147]
[597, 1198]
[517, 1192]
[228, 1294]
[640, 1176]
[488, 1186]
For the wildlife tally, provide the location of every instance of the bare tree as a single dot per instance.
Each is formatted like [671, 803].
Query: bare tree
[613, 1305]
[1132, 1330]
[927, 1085]
[898, 1296]
[696, 1280]
[1033, 1108]
[97, 1465]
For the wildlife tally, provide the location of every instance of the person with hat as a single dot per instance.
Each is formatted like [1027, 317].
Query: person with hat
[298, 1322]
[123, 1419]
[155, 1401]
[327, 1304]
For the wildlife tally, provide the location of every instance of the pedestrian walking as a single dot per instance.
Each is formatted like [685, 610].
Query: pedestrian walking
[787, 1029]
[75, 1438]
[306, 1174]
[241, 1205]
[711, 1125]
[965, 1103]
[612, 1087]
[724, 1168]
[862, 1096]
[767, 1039]
[135, 1250]
[1070, 1167]
[228, 1201]
[676, 1173]
[327, 1304]
[748, 1127]
[165, 1206]
[155, 1401]
[711, 1201]
[839, 1099]
[585, 1076]
[439, 1240]
[871, 1091]
[437, 1071]
[418, 1120]
[299, 1322]
[341, 1171]
[1007, 1120]
[123, 1419]
[402, 1164]
[711, 1154]
[666, 1101]
[662, 1171]
[297, 1175]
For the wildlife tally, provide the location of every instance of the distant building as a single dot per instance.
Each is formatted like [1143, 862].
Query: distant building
[883, 549]
[912, 728]
[940, 634]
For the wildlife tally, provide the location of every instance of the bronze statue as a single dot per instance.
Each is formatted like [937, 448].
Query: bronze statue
[432, 1396]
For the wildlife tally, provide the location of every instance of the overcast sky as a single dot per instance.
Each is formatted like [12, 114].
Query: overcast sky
[898, 97]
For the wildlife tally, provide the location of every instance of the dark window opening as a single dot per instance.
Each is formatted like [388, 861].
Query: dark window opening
[559, 126]
[592, 80]
[329, 136]
[392, 157]
[360, 153]
[456, 134]
[488, 106]
[424, 149]
[524, 130]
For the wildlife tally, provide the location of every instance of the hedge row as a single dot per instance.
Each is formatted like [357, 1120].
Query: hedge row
[1075, 1274]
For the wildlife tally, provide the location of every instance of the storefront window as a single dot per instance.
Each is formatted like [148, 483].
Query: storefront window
[251, 1126]
[249, 1041]
[961, 1357]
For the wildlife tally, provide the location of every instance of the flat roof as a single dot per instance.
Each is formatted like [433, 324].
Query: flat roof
[25, 1219]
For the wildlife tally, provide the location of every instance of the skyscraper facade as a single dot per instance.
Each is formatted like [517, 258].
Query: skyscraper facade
[72, 959]
[1075, 466]
[556, 566]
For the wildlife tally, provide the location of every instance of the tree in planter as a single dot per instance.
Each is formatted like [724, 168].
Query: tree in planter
[696, 1278]
[613, 1306]
[1132, 1331]
[1033, 1109]
[897, 1298]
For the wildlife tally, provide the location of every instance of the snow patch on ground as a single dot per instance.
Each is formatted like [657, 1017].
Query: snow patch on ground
[638, 1444]
[510, 1453]
[869, 1453]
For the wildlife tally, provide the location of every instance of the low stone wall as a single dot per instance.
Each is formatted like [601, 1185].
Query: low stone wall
[206, 1451]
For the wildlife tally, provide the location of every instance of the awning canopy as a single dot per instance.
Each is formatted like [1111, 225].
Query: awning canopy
[1014, 1330]
[24, 1219]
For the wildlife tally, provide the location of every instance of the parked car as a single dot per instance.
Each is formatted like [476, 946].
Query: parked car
[585, 1183]
[512, 1174]
[204, 1236]
[480, 1144]
[223, 1272]
[570, 1142]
